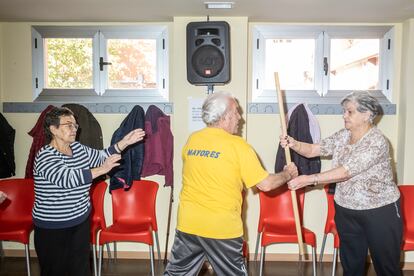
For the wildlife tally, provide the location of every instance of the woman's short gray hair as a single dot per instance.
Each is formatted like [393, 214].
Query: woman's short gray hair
[365, 103]
[52, 118]
[215, 107]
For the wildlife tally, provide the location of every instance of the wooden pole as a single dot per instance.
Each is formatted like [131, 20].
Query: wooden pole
[168, 223]
[288, 161]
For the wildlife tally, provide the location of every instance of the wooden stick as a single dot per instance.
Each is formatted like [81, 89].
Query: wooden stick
[288, 161]
[168, 224]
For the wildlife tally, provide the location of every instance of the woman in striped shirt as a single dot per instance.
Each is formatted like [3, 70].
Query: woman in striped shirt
[63, 174]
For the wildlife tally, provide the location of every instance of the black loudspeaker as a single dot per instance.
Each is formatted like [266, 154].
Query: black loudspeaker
[208, 52]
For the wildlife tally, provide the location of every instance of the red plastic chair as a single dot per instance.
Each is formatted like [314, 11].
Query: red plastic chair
[154, 231]
[16, 213]
[134, 217]
[330, 228]
[97, 196]
[277, 223]
[407, 198]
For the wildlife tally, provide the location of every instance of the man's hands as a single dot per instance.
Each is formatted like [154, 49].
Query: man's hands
[300, 182]
[273, 181]
[133, 137]
[290, 171]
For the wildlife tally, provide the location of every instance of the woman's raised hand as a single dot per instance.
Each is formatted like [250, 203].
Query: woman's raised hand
[133, 137]
[286, 140]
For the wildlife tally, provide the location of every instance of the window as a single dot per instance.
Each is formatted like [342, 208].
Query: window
[319, 64]
[100, 64]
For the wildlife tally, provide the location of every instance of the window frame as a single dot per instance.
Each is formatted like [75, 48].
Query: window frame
[322, 35]
[99, 36]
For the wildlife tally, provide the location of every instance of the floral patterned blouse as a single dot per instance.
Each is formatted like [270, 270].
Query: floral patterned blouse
[368, 162]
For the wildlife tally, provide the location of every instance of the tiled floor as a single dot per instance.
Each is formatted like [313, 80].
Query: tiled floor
[11, 266]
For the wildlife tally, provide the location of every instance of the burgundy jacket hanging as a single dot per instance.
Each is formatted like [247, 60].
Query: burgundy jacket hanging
[38, 135]
[159, 142]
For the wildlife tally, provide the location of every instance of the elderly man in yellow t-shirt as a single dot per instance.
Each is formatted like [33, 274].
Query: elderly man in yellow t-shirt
[216, 165]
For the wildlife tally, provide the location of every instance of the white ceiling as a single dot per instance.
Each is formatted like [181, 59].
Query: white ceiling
[375, 11]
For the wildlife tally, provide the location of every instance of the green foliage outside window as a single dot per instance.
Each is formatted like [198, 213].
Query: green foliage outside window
[133, 63]
[69, 63]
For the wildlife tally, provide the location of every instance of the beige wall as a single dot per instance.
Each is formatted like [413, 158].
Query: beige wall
[406, 130]
[261, 131]
[405, 152]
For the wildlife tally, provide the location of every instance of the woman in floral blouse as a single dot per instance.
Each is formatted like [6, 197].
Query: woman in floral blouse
[367, 200]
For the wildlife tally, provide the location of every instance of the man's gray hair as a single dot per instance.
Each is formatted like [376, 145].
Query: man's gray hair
[365, 103]
[215, 107]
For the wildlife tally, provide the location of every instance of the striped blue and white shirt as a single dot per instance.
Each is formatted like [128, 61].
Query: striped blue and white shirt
[62, 185]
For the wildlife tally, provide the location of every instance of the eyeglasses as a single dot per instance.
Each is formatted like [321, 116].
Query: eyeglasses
[71, 126]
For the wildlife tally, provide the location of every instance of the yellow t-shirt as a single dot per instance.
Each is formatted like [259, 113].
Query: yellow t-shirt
[215, 166]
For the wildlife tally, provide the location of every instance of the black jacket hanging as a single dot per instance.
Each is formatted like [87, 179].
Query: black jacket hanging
[298, 128]
[133, 156]
[89, 132]
[7, 135]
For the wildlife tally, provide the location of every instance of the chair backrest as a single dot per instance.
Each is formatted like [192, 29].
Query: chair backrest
[276, 207]
[97, 196]
[136, 205]
[407, 199]
[330, 216]
[20, 198]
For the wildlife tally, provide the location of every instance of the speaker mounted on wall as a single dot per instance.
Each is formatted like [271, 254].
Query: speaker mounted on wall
[208, 52]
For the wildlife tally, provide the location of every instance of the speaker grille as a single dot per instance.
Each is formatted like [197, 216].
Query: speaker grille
[208, 61]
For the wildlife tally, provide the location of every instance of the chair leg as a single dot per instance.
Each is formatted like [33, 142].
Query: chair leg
[262, 256]
[94, 260]
[109, 251]
[322, 248]
[158, 244]
[334, 261]
[115, 255]
[1, 249]
[256, 251]
[152, 260]
[100, 257]
[26, 248]
[314, 260]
